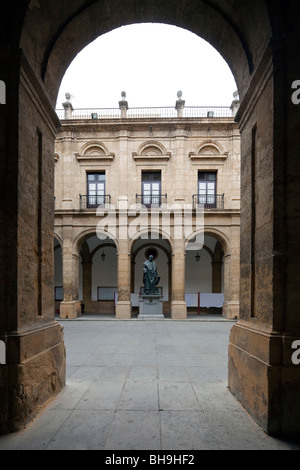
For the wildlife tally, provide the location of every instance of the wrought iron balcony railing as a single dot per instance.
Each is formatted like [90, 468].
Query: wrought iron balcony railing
[93, 202]
[152, 200]
[208, 201]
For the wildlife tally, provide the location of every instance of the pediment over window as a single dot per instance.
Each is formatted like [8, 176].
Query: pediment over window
[209, 150]
[151, 151]
[94, 151]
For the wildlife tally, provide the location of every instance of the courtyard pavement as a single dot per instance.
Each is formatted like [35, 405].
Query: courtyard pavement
[155, 385]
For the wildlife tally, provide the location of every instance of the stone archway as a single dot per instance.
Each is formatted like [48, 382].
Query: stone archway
[98, 275]
[161, 250]
[218, 271]
[257, 40]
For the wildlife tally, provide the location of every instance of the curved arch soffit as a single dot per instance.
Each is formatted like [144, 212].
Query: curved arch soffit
[83, 236]
[58, 239]
[205, 19]
[104, 245]
[217, 234]
[164, 236]
[155, 245]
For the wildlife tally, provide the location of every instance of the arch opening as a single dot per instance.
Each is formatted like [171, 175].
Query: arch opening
[204, 278]
[98, 275]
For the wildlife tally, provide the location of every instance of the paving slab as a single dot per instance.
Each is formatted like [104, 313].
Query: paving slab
[145, 385]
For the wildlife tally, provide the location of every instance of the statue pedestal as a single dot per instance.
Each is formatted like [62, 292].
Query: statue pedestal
[151, 307]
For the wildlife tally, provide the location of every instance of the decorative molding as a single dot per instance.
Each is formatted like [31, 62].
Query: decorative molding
[151, 150]
[96, 158]
[151, 158]
[205, 157]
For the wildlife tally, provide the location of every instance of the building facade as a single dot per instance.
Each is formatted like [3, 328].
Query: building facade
[130, 182]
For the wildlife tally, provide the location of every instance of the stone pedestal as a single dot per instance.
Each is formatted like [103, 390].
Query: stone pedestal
[151, 306]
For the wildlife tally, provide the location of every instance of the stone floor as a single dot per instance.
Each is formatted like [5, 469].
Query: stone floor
[145, 385]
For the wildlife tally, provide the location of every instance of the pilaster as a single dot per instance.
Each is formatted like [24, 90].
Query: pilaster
[34, 371]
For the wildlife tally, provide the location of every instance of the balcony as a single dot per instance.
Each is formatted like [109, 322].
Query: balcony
[146, 112]
[208, 201]
[151, 201]
[93, 202]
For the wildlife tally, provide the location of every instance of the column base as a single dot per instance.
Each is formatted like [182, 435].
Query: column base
[262, 376]
[230, 309]
[70, 309]
[178, 310]
[123, 310]
[35, 371]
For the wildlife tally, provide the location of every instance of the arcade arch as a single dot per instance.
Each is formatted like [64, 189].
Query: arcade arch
[98, 269]
[161, 249]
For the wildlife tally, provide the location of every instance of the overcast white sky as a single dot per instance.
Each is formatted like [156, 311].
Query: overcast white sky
[151, 63]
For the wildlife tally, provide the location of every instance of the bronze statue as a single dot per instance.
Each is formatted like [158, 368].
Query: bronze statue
[150, 277]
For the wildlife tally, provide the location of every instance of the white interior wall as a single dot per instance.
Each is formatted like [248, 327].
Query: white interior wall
[104, 273]
[198, 275]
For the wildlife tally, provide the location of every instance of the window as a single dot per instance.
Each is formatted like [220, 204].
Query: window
[59, 293]
[207, 186]
[95, 189]
[151, 188]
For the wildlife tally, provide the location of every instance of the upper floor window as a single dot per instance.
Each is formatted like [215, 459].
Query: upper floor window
[207, 188]
[151, 188]
[95, 189]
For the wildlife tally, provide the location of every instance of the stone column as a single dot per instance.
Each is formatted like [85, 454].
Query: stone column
[232, 273]
[87, 285]
[178, 305]
[123, 306]
[35, 355]
[70, 307]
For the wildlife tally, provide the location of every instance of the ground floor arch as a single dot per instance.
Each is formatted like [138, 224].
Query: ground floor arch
[161, 251]
[204, 277]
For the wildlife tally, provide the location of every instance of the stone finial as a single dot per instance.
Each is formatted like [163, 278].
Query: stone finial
[235, 103]
[68, 106]
[123, 105]
[179, 104]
